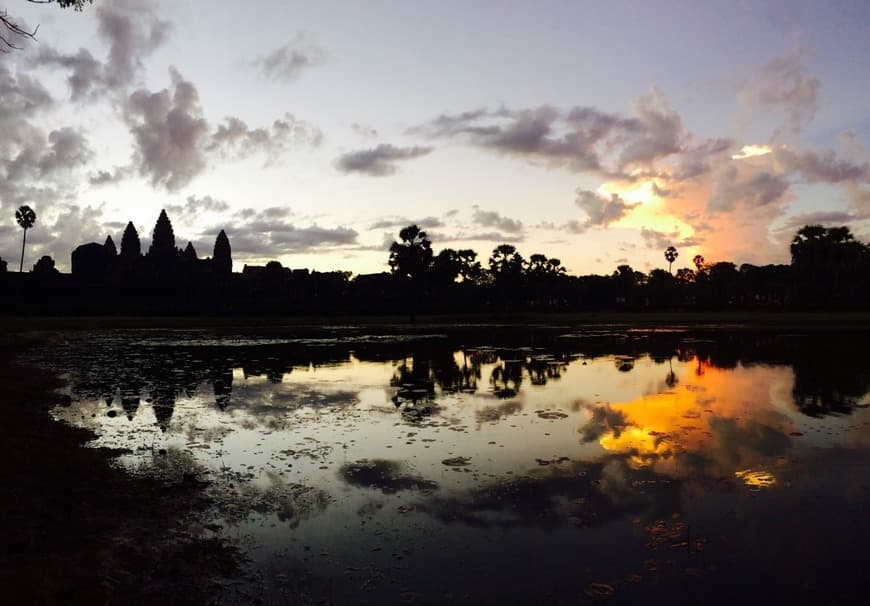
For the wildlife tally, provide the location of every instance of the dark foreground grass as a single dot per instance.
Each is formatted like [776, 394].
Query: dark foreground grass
[731, 320]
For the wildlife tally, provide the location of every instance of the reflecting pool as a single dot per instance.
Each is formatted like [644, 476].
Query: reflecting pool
[498, 465]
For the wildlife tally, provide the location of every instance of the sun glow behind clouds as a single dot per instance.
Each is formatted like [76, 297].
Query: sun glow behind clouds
[650, 212]
[749, 151]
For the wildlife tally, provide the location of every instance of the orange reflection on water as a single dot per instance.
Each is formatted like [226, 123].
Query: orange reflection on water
[756, 479]
[733, 418]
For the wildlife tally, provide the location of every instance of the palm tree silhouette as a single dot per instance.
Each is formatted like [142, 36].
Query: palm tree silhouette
[671, 255]
[26, 218]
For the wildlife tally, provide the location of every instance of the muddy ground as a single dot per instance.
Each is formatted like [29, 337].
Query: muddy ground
[75, 529]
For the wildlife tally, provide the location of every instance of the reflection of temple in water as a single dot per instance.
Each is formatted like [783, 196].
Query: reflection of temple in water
[828, 377]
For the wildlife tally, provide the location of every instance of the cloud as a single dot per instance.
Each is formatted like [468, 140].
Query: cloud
[583, 139]
[486, 218]
[169, 132]
[268, 234]
[363, 130]
[786, 84]
[107, 177]
[289, 61]
[234, 135]
[731, 189]
[475, 236]
[823, 217]
[426, 222]
[379, 161]
[86, 73]
[658, 240]
[37, 166]
[656, 133]
[821, 167]
[132, 30]
[601, 210]
[173, 140]
[194, 206]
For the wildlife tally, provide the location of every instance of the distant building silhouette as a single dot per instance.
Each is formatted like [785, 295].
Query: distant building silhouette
[90, 261]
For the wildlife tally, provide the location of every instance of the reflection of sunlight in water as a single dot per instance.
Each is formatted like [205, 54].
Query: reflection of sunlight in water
[713, 414]
[756, 479]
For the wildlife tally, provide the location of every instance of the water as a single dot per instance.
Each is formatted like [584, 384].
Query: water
[498, 465]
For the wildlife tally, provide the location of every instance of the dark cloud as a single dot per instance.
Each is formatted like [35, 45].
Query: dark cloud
[822, 167]
[268, 234]
[379, 161]
[758, 189]
[700, 159]
[290, 60]
[173, 139]
[169, 132]
[656, 133]
[601, 210]
[488, 218]
[583, 139]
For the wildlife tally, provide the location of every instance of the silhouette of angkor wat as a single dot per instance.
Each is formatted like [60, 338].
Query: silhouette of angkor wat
[94, 262]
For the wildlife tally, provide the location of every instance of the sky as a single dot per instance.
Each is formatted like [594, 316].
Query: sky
[598, 133]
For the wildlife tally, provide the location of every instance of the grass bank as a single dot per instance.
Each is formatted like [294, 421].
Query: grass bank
[76, 529]
[761, 320]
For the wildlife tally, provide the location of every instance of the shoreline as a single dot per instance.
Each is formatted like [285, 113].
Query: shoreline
[12, 324]
[80, 530]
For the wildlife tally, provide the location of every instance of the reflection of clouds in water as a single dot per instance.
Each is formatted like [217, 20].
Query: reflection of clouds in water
[290, 503]
[385, 475]
[493, 414]
[576, 492]
[603, 420]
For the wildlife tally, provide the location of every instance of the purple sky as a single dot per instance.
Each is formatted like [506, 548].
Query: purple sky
[599, 133]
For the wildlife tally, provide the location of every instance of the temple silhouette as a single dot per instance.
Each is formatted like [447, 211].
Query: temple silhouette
[164, 262]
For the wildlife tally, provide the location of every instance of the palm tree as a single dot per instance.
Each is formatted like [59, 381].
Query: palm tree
[26, 218]
[671, 255]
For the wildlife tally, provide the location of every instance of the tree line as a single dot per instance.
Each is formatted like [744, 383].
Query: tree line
[829, 270]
